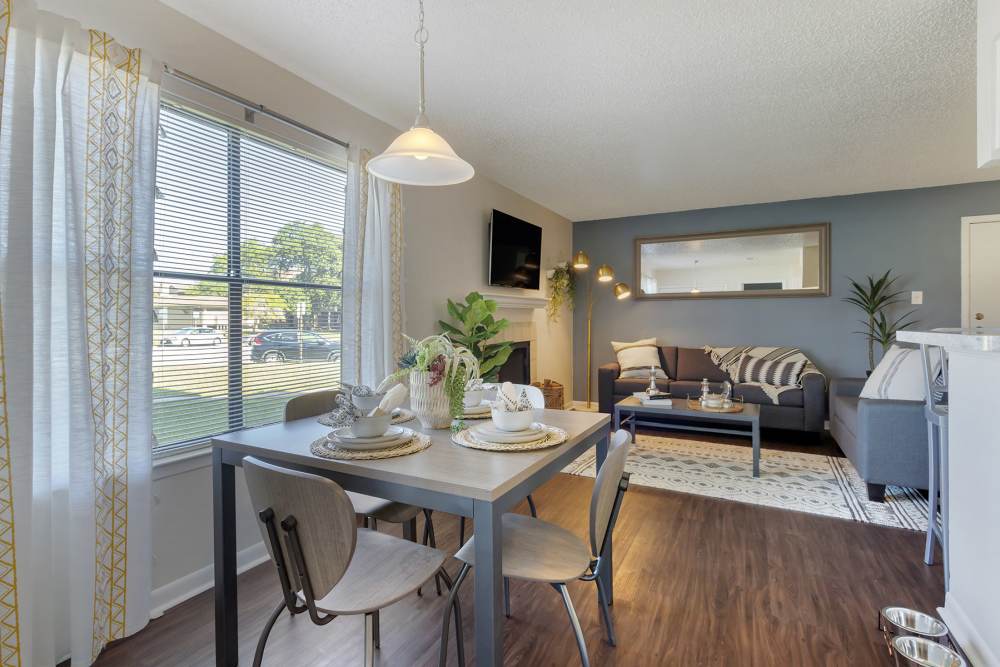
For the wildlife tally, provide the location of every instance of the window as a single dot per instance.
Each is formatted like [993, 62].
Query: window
[247, 278]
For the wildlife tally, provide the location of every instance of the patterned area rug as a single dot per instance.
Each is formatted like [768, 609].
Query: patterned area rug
[825, 485]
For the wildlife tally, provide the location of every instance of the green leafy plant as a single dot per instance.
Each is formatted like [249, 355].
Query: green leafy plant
[449, 364]
[562, 283]
[474, 326]
[874, 296]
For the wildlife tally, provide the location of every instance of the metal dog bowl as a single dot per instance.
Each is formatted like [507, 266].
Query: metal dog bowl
[900, 621]
[921, 652]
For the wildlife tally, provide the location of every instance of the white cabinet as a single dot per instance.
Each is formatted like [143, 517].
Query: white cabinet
[988, 83]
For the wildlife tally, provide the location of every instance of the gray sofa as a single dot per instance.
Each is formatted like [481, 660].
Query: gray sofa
[886, 440]
[798, 409]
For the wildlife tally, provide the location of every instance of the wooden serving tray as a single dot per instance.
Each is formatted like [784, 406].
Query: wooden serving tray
[696, 405]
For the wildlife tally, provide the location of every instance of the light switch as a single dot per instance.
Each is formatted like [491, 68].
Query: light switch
[916, 298]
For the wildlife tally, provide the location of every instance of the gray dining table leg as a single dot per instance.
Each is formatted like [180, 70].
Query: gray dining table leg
[224, 527]
[607, 568]
[488, 532]
[756, 447]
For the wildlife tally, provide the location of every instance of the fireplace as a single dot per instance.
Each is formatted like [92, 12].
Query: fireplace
[517, 368]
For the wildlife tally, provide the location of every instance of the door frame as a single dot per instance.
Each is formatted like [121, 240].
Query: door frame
[967, 222]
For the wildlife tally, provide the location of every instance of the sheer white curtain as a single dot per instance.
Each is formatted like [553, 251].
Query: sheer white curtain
[373, 284]
[77, 163]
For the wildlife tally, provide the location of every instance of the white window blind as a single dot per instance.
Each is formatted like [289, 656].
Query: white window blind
[247, 279]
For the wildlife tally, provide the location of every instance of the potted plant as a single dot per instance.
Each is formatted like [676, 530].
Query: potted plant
[438, 371]
[474, 326]
[561, 285]
[874, 296]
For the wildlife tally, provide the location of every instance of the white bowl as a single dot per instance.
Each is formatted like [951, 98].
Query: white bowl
[370, 427]
[367, 403]
[473, 398]
[513, 421]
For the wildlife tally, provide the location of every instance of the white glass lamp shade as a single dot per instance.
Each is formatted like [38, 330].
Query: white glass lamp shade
[420, 156]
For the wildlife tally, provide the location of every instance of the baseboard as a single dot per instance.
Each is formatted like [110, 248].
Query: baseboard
[965, 633]
[199, 581]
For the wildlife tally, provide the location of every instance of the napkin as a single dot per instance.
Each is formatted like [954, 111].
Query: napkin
[508, 399]
[392, 400]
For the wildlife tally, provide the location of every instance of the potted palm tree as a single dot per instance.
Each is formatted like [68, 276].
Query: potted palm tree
[875, 296]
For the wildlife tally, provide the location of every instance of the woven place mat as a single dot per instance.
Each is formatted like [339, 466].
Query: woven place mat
[323, 448]
[553, 436]
[403, 416]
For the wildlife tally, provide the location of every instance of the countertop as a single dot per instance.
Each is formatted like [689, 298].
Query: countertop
[959, 340]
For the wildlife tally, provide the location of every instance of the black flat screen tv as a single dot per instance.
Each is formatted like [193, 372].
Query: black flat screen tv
[515, 252]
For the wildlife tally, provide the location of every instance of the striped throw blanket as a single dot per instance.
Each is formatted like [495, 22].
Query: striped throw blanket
[777, 365]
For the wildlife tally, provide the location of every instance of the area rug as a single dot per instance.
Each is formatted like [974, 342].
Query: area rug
[824, 485]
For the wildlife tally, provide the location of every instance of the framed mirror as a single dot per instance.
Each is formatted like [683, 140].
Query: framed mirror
[779, 261]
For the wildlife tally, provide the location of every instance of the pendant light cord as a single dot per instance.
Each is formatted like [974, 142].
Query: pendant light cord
[420, 37]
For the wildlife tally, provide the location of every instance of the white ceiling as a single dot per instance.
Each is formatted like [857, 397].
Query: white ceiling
[600, 108]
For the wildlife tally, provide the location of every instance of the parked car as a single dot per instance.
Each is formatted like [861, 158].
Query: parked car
[193, 336]
[290, 345]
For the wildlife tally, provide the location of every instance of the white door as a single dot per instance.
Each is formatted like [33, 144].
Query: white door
[981, 271]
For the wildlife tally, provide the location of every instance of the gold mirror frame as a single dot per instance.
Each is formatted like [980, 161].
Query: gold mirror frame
[824, 260]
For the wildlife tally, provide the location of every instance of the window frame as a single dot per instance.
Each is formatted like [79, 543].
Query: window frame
[220, 111]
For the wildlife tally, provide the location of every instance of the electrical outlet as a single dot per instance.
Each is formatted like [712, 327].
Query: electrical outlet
[916, 298]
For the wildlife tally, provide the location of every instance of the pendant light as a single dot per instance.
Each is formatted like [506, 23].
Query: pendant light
[420, 156]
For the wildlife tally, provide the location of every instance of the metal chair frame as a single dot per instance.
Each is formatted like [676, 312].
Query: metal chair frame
[937, 455]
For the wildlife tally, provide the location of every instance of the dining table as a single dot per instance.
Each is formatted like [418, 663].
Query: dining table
[444, 477]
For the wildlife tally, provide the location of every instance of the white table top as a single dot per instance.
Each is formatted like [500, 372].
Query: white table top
[443, 467]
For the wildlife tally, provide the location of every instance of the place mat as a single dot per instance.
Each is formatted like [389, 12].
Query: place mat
[481, 415]
[553, 436]
[404, 415]
[323, 448]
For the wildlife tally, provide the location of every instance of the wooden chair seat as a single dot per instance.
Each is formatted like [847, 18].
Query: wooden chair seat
[383, 570]
[536, 550]
[382, 509]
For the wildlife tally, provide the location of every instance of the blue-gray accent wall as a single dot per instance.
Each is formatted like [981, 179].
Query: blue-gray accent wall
[915, 232]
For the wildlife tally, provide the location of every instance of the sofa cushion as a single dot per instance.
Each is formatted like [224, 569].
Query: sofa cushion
[752, 393]
[628, 386]
[685, 388]
[668, 353]
[899, 376]
[693, 363]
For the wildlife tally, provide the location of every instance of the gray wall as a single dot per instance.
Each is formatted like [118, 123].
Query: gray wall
[914, 232]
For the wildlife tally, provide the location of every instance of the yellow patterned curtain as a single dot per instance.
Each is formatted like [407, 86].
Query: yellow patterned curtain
[10, 653]
[75, 422]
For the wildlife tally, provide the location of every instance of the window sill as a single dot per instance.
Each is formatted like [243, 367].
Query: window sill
[183, 462]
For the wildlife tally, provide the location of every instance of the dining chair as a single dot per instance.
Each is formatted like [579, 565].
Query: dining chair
[538, 403]
[371, 509]
[326, 565]
[535, 550]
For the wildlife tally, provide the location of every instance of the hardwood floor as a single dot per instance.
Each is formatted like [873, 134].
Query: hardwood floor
[698, 581]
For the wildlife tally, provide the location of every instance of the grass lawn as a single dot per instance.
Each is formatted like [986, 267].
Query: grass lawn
[190, 401]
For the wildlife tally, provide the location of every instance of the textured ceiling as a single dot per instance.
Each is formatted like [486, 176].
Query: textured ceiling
[601, 109]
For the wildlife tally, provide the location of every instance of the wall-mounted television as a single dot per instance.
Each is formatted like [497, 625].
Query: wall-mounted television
[515, 252]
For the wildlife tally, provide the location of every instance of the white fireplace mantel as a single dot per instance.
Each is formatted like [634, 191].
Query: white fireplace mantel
[516, 300]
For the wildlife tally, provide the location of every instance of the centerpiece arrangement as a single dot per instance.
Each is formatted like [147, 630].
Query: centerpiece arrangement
[438, 371]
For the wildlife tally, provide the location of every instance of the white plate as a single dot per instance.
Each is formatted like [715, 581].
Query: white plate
[357, 444]
[343, 434]
[490, 433]
[481, 409]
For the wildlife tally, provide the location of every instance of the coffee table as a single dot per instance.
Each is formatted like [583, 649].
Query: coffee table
[631, 412]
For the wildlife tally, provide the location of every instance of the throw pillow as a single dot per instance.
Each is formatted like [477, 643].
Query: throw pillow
[635, 359]
[898, 376]
[766, 371]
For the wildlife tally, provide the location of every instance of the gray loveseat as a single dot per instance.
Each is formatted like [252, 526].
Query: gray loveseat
[798, 409]
[886, 440]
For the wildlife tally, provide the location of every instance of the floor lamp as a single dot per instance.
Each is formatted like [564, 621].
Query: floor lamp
[603, 274]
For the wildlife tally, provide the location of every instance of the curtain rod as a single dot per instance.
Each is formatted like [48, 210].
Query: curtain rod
[247, 104]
